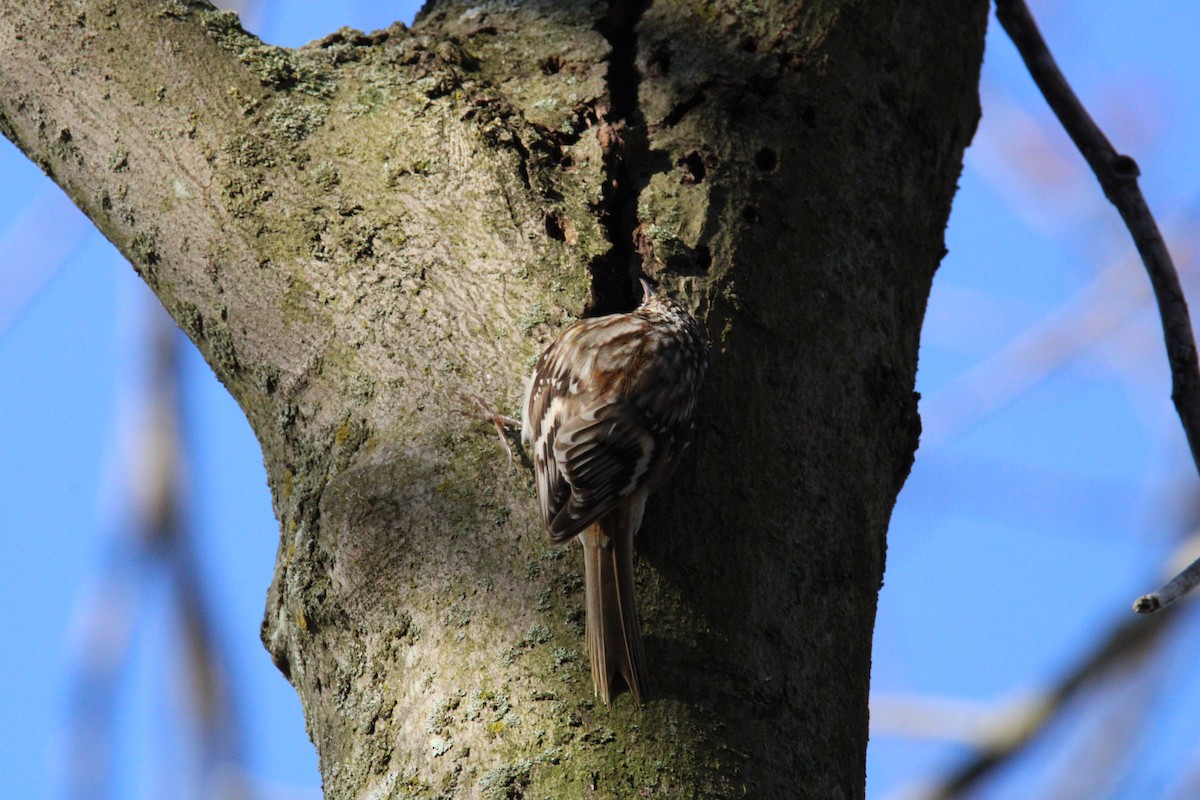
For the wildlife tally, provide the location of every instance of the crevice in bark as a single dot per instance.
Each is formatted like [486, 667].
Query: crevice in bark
[623, 141]
[698, 98]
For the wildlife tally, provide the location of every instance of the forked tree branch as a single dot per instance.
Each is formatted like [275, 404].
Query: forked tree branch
[1118, 175]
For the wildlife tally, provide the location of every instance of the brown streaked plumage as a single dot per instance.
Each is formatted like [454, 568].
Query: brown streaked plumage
[608, 411]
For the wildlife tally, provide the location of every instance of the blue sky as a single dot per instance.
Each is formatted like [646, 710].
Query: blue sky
[1022, 535]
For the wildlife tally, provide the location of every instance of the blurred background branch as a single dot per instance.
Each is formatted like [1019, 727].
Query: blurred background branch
[155, 548]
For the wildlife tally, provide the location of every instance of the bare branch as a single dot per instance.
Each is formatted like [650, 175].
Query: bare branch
[1020, 725]
[1180, 584]
[1118, 175]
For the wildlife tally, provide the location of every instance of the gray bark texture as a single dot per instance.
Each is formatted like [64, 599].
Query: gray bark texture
[357, 231]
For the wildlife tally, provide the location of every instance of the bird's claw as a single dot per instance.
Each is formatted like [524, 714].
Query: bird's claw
[475, 408]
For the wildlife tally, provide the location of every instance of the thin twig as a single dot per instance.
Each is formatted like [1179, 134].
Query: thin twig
[1118, 177]
[1175, 588]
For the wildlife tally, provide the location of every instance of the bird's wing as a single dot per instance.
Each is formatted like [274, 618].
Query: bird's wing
[603, 455]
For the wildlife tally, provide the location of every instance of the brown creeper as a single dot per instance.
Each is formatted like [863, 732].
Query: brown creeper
[608, 411]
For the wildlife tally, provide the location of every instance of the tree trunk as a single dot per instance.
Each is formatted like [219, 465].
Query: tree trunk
[358, 231]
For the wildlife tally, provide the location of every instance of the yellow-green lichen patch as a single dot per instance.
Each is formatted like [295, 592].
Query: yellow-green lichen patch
[60, 144]
[348, 436]
[244, 192]
[118, 159]
[276, 67]
[325, 176]
[189, 320]
[299, 301]
[249, 150]
[368, 98]
[293, 120]
[266, 377]
[361, 388]
[221, 350]
[143, 253]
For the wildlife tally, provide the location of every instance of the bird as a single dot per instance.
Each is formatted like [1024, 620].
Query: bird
[608, 411]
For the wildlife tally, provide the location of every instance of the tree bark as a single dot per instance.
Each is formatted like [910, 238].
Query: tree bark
[357, 231]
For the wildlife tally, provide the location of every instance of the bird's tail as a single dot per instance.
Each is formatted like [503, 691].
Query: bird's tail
[614, 638]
